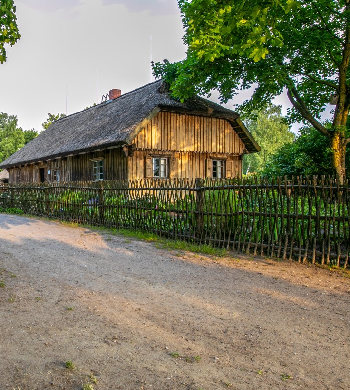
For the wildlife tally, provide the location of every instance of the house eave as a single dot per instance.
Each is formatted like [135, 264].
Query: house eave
[66, 154]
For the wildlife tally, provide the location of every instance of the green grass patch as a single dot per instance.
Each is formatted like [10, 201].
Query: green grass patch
[162, 242]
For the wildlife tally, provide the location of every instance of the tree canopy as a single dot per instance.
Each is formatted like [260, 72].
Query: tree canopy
[309, 154]
[301, 46]
[9, 33]
[271, 132]
[52, 118]
[12, 137]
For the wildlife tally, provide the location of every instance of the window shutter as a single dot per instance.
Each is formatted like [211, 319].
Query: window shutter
[229, 169]
[209, 167]
[173, 167]
[148, 166]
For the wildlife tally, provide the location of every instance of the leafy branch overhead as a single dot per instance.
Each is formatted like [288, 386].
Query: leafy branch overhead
[301, 46]
[9, 33]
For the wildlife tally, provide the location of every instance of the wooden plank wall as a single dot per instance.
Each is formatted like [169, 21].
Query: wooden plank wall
[185, 165]
[188, 140]
[170, 131]
[74, 168]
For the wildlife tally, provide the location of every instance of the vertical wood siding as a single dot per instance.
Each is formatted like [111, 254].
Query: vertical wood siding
[169, 131]
[188, 141]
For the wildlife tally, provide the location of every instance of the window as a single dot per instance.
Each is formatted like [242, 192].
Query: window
[218, 169]
[55, 175]
[160, 167]
[97, 170]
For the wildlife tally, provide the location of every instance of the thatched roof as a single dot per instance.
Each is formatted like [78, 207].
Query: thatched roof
[116, 122]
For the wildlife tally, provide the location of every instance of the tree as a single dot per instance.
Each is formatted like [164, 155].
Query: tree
[309, 154]
[271, 131]
[12, 137]
[9, 33]
[29, 135]
[52, 118]
[301, 46]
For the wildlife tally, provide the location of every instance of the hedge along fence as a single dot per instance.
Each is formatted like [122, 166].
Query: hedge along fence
[306, 219]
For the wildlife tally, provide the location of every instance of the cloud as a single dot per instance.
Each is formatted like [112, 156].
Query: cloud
[51, 5]
[159, 7]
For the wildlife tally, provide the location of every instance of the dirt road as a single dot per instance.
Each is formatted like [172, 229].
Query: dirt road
[81, 309]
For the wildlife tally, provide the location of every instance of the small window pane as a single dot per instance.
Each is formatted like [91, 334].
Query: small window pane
[56, 175]
[160, 167]
[218, 169]
[98, 170]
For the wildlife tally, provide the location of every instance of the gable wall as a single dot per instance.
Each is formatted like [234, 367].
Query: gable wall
[190, 142]
[170, 131]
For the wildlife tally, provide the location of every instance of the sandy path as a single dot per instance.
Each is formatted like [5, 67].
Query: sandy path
[131, 316]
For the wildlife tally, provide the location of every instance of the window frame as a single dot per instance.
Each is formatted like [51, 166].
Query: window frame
[55, 175]
[98, 169]
[162, 174]
[221, 169]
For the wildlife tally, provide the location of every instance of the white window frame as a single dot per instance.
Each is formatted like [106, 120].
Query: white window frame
[218, 169]
[98, 170]
[160, 167]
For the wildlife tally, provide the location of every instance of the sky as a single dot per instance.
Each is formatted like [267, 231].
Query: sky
[72, 52]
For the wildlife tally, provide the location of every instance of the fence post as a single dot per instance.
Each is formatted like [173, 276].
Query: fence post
[12, 198]
[199, 184]
[101, 203]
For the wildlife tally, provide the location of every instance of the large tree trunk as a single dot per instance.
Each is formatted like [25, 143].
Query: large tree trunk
[338, 146]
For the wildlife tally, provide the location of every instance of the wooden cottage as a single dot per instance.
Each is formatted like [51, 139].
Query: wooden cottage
[142, 134]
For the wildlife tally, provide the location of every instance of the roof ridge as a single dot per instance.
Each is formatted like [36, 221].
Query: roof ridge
[99, 105]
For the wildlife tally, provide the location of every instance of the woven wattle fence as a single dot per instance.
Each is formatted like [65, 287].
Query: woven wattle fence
[306, 219]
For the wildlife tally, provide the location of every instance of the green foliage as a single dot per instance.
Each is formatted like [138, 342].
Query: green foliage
[69, 364]
[234, 45]
[271, 132]
[309, 154]
[9, 33]
[29, 135]
[12, 137]
[269, 46]
[52, 118]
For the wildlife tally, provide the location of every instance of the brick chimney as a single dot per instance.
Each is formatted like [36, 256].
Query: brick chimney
[114, 93]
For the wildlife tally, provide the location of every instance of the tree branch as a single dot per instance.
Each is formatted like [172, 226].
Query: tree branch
[325, 23]
[300, 106]
[320, 81]
[337, 64]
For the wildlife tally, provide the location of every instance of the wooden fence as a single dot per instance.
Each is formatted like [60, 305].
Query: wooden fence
[306, 219]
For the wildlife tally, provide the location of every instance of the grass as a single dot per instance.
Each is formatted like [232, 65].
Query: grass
[2, 283]
[87, 386]
[285, 377]
[11, 298]
[93, 379]
[69, 365]
[165, 243]
[188, 359]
